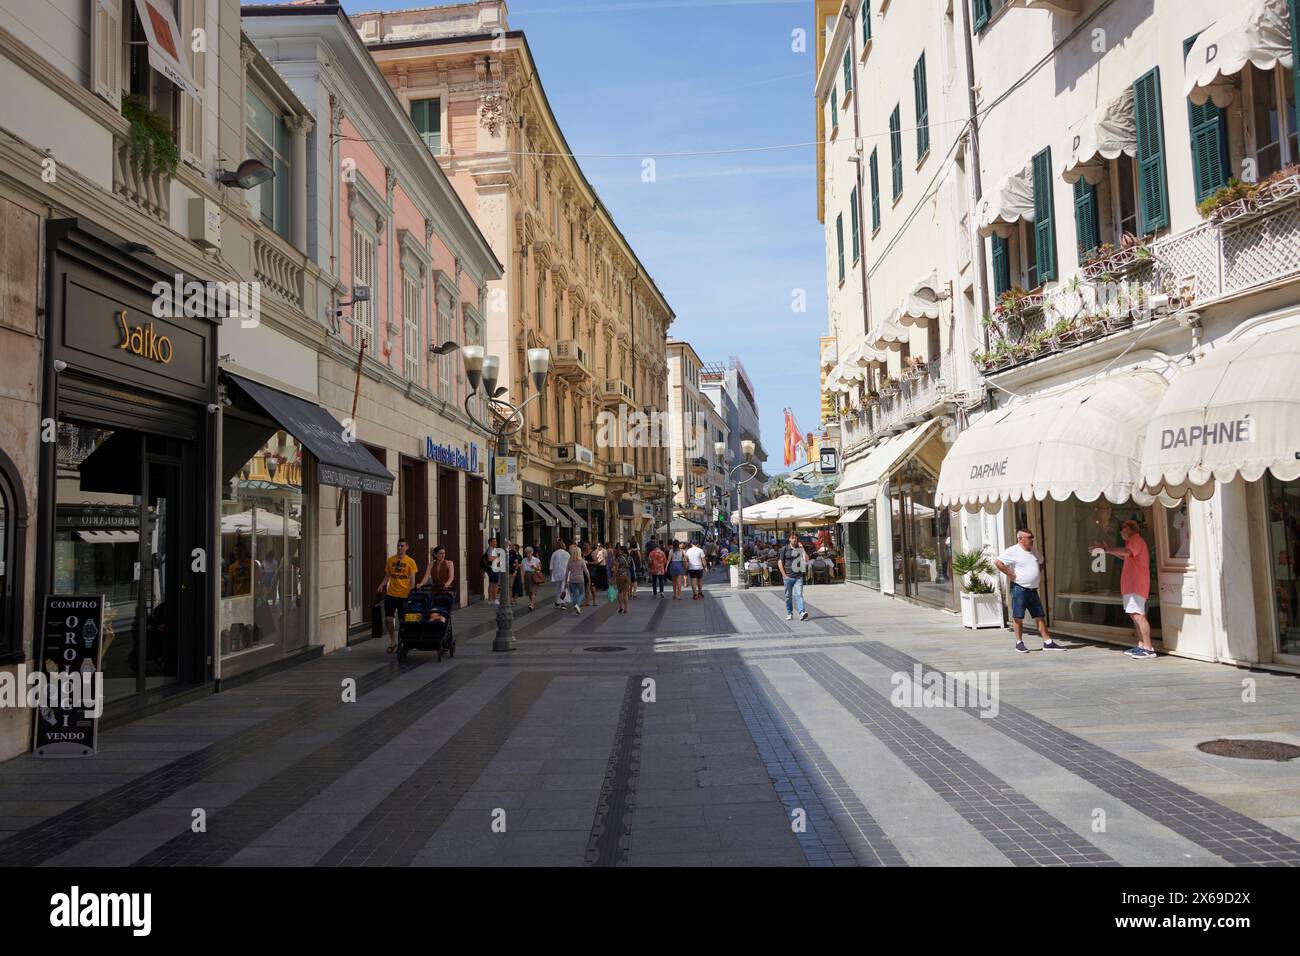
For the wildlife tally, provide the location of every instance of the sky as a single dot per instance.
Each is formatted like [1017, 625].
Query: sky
[730, 239]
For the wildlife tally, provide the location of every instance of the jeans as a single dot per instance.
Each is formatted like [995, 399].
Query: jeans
[577, 591]
[793, 595]
[1023, 599]
[658, 582]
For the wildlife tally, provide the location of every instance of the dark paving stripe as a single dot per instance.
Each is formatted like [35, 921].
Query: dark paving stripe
[531, 622]
[1233, 836]
[831, 625]
[657, 616]
[766, 617]
[1023, 832]
[591, 618]
[611, 830]
[236, 825]
[840, 831]
[393, 833]
[65, 830]
[716, 618]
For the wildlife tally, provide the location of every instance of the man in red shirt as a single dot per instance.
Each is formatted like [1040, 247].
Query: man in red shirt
[1135, 585]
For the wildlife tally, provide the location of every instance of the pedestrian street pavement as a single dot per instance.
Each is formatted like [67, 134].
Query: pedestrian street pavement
[688, 733]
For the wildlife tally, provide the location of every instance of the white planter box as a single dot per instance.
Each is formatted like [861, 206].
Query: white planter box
[981, 610]
[734, 570]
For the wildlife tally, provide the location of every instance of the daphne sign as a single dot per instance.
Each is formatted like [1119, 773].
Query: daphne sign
[1213, 433]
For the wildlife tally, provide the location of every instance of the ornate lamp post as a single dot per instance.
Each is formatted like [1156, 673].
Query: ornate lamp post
[746, 447]
[485, 369]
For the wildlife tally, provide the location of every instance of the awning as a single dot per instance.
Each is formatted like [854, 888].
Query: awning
[828, 355]
[574, 518]
[1006, 204]
[1108, 133]
[889, 335]
[864, 356]
[541, 512]
[109, 537]
[339, 462]
[852, 515]
[554, 510]
[1235, 412]
[1084, 441]
[1258, 32]
[862, 477]
[921, 304]
[165, 44]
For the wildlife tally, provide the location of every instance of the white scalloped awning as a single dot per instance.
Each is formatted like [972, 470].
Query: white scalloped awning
[864, 356]
[828, 355]
[1258, 32]
[1108, 133]
[1085, 442]
[1235, 412]
[889, 335]
[920, 305]
[1006, 204]
[862, 478]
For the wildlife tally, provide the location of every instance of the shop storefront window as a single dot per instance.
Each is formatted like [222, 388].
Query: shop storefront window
[1283, 547]
[863, 549]
[1086, 581]
[922, 541]
[262, 559]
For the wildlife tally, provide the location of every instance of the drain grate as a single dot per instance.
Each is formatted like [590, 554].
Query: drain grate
[604, 649]
[1250, 749]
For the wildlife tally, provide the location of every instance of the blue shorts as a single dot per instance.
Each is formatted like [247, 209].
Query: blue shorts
[1024, 599]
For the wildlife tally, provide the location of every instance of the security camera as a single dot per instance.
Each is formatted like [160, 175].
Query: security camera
[213, 408]
[60, 365]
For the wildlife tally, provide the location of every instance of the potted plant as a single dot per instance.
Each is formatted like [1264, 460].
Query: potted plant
[151, 144]
[733, 568]
[980, 603]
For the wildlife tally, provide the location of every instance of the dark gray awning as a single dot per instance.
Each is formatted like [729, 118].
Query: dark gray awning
[339, 462]
[541, 511]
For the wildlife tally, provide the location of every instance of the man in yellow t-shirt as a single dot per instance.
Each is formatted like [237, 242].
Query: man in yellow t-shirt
[399, 575]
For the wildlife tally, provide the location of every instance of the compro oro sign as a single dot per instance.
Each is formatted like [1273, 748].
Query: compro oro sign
[1235, 412]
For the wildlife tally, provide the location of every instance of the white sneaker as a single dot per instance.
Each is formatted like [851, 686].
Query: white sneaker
[803, 616]
[577, 609]
[789, 617]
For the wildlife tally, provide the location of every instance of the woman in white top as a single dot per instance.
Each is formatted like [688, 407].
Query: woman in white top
[531, 565]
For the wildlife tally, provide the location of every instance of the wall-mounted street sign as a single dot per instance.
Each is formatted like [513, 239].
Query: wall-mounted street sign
[829, 462]
[72, 649]
[506, 474]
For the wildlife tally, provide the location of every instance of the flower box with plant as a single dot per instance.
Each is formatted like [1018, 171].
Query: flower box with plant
[980, 602]
[1239, 201]
[150, 139]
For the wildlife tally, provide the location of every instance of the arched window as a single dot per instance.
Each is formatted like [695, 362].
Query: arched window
[13, 547]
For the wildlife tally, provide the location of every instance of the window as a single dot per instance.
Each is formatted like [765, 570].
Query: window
[866, 23]
[1001, 265]
[1209, 128]
[854, 222]
[473, 336]
[839, 243]
[1087, 583]
[835, 110]
[541, 299]
[411, 328]
[875, 191]
[981, 11]
[1125, 203]
[922, 109]
[896, 151]
[268, 141]
[445, 381]
[1272, 118]
[1086, 227]
[1153, 188]
[363, 273]
[13, 529]
[848, 72]
[1044, 217]
[427, 117]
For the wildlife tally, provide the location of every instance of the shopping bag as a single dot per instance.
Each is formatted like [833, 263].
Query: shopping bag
[612, 593]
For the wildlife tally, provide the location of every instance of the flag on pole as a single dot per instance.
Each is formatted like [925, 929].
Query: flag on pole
[794, 440]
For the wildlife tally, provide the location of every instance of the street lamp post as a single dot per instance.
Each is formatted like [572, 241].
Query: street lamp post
[481, 369]
[747, 448]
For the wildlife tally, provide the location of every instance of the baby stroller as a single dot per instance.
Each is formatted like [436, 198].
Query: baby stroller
[420, 629]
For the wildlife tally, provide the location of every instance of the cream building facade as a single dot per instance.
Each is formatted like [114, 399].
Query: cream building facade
[572, 283]
[699, 473]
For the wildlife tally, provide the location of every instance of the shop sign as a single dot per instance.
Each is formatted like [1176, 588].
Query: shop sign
[72, 647]
[829, 462]
[451, 456]
[506, 475]
[143, 341]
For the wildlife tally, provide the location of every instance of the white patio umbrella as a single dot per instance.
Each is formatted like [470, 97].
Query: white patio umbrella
[681, 525]
[786, 511]
[268, 522]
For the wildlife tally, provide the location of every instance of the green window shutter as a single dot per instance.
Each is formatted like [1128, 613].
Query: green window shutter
[854, 223]
[427, 117]
[1044, 216]
[982, 10]
[1209, 126]
[848, 71]
[875, 191]
[922, 109]
[866, 22]
[1085, 216]
[839, 242]
[1153, 187]
[1001, 265]
[835, 108]
[896, 150]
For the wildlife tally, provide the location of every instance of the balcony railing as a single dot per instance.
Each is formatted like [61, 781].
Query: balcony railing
[1249, 248]
[906, 402]
[279, 268]
[151, 194]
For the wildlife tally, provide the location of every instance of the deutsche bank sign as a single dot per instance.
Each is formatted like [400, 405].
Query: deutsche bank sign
[451, 456]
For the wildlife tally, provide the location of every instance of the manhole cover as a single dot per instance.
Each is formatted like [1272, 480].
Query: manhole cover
[1251, 749]
[604, 649]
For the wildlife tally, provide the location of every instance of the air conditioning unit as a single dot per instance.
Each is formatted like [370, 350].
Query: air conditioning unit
[622, 469]
[574, 454]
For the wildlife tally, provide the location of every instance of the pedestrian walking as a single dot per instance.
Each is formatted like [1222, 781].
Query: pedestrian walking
[578, 577]
[677, 569]
[531, 571]
[696, 558]
[399, 575]
[792, 562]
[1134, 585]
[1024, 568]
[441, 573]
[622, 577]
[488, 564]
[559, 573]
[515, 579]
[637, 564]
[599, 568]
[657, 561]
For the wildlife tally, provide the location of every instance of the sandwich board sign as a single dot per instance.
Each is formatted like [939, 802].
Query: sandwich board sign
[71, 672]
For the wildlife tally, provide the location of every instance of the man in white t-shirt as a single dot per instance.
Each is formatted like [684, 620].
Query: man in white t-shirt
[560, 572]
[1024, 568]
[695, 559]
